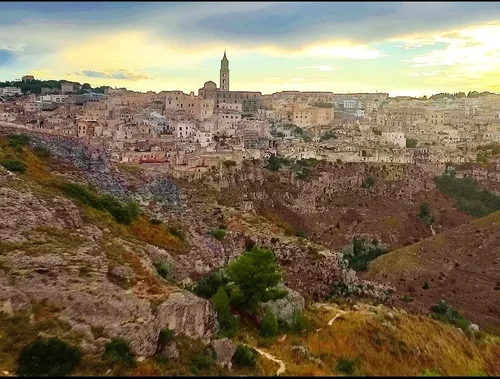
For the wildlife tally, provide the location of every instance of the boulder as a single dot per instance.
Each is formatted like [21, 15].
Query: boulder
[13, 301]
[285, 308]
[171, 351]
[224, 349]
[187, 314]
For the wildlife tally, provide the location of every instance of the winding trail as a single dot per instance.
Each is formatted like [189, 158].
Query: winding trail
[282, 367]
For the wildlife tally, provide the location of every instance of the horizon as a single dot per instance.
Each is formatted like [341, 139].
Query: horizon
[404, 49]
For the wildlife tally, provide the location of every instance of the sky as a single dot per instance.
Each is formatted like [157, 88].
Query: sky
[403, 48]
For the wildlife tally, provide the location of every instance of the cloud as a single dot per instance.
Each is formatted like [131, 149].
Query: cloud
[319, 68]
[117, 74]
[433, 73]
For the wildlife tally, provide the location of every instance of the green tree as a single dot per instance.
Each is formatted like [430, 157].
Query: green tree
[255, 276]
[269, 327]
[410, 142]
[227, 322]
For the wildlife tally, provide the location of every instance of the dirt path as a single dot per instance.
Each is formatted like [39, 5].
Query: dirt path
[282, 367]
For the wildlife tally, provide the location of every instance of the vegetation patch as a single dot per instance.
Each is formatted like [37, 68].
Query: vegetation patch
[279, 222]
[218, 234]
[123, 212]
[245, 356]
[13, 165]
[425, 215]
[406, 258]
[164, 270]
[229, 163]
[470, 199]
[360, 252]
[345, 366]
[117, 351]
[48, 357]
[369, 182]
[269, 327]
[158, 235]
[129, 168]
[444, 312]
[228, 323]
[202, 362]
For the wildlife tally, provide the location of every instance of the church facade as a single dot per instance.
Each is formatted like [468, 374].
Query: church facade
[250, 100]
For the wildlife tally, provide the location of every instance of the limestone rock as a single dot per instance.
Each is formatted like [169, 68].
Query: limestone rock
[171, 351]
[224, 349]
[13, 301]
[474, 328]
[188, 315]
[285, 309]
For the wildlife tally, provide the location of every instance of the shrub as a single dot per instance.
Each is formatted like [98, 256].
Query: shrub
[164, 270]
[166, 335]
[208, 285]
[227, 322]
[345, 366]
[339, 161]
[201, 362]
[300, 323]
[13, 165]
[154, 221]
[300, 234]
[302, 173]
[369, 182]
[425, 286]
[255, 276]
[245, 356]
[269, 327]
[446, 313]
[123, 212]
[229, 163]
[42, 152]
[48, 357]
[219, 234]
[470, 199]
[360, 252]
[16, 140]
[118, 351]
[176, 233]
[425, 215]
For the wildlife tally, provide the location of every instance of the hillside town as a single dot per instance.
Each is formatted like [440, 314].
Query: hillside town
[186, 133]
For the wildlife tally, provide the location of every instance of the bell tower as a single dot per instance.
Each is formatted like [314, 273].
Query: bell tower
[224, 73]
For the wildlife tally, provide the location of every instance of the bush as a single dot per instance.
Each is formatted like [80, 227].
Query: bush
[254, 276]
[245, 356]
[430, 372]
[155, 222]
[48, 357]
[300, 323]
[470, 199]
[219, 234]
[176, 233]
[201, 362]
[42, 152]
[269, 327]
[164, 270]
[118, 351]
[360, 252]
[369, 182]
[425, 215]
[13, 165]
[227, 322]
[300, 234]
[229, 163]
[16, 140]
[208, 285]
[345, 366]
[123, 212]
[425, 286]
[166, 335]
[446, 313]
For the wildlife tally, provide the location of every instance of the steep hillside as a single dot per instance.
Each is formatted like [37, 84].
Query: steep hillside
[331, 206]
[461, 265]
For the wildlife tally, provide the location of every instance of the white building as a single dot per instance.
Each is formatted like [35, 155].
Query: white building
[10, 91]
[183, 130]
[59, 99]
[359, 113]
[350, 104]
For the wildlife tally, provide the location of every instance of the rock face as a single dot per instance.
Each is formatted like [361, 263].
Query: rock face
[224, 349]
[286, 308]
[188, 314]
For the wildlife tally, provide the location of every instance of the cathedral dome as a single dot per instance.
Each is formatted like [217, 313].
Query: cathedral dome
[210, 85]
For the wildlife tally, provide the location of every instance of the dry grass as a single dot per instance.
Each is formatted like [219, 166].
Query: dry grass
[278, 221]
[157, 235]
[129, 168]
[406, 258]
[413, 344]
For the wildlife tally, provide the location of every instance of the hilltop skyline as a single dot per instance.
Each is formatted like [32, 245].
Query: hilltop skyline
[409, 49]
